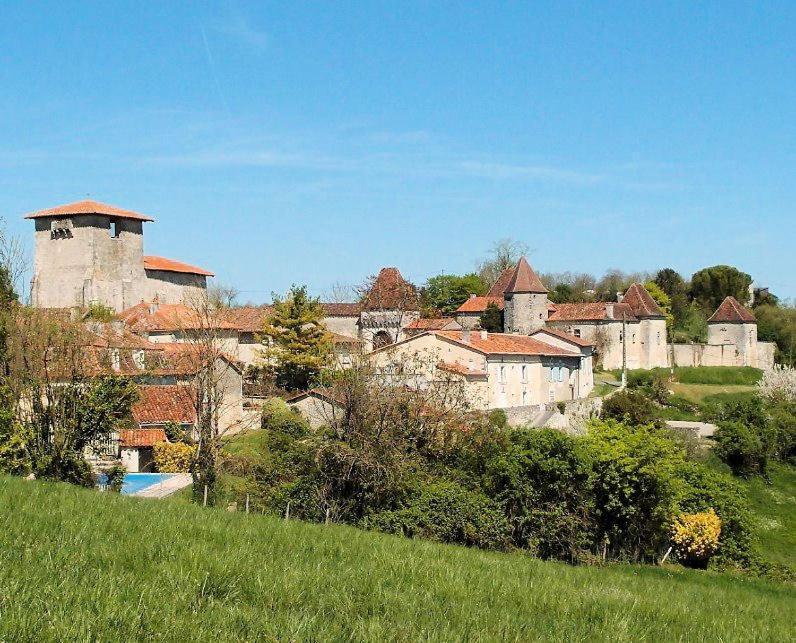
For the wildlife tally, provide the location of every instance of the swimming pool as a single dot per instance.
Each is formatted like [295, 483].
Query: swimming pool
[135, 482]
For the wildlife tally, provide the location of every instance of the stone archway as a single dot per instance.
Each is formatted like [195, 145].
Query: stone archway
[381, 339]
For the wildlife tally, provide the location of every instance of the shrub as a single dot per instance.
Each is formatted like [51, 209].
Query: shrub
[543, 480]
[447, 512]
[278, 416]
[177, 433]
[778, 384]
[783, 428]
[632, 407]
[740, 447]
[696, 537]
[114, 477]
[173, 457]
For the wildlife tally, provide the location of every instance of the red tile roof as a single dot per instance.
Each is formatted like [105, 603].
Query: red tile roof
[641, 302]
[438, 323]
[499, 287]
[731, 311]
[189, 359]
[247, 319]
[479, 304]
[88, 207]
[141, 437]
[170, 265]
[591, 311]
[390, 291]
[153, 316]
[165, 403]
[524, 279]
[565, 336]
[459, 369]
[341, 310]
[504, 344]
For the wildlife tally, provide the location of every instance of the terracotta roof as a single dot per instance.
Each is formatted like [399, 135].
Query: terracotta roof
[341, 310]
[161, 404]
[499, 287]
[731, 311]
[479, 304]
[641, 302]
[591, 311]
[337, 338]
[459, 369]
[505, 344]
[188, 359]
[390, 291]
[141, 437]
[170, 265]
[88, 207]
[248, 319]
[524, 279]
[438, 323]
[565, 336]
[153, 316]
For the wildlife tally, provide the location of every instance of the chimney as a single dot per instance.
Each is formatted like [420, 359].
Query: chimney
[609, 311]
[466, 335]
[484, 334]
[472, 295]
[620, 296]
[154, 306]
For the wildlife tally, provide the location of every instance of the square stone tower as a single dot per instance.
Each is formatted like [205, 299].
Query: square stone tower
[88, 252]
[731, 324]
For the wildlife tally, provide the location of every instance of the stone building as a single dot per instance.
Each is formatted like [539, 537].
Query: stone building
[498, 370]
[89, 252]
[631, 330]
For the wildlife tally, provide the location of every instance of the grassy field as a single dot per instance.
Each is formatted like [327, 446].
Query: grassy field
[704, 393]
[775, 507]
[76, 564]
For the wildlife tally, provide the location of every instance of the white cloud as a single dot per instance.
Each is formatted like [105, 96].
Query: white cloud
[489, 170]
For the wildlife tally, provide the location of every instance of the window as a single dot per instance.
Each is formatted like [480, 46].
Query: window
[620, 335]
[658, 337]
[576, 332]
[502, 374]
[552, 395]
[524, 397]
[524, 373]
[115, 229]
[634, 338]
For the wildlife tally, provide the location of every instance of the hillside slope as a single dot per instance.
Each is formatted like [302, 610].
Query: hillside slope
[76, 564]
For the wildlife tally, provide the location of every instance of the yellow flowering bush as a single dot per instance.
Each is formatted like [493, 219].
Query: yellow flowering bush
[173, 457]
[696, 536]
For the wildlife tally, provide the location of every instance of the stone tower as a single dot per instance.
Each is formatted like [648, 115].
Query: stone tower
[734, 324]
[526, 303]
[88, 252]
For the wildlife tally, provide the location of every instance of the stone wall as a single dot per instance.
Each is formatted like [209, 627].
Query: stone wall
[174, 287]
[723, 355]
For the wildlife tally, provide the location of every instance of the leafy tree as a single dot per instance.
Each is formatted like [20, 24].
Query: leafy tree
[446, 293]
[692, 326]
[632, 407]
[662, 299]
[504, 253]
[295, 341]
[778, 324]
[710, 286]
[563, 294]
[670, 281]
[492, 318]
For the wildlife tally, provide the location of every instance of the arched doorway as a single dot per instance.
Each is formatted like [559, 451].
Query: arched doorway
[381, 339]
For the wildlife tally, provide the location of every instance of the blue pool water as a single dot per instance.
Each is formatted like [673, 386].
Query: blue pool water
[135, 482]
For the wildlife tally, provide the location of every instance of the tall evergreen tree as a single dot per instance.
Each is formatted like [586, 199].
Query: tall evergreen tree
[296, 344]
[492, 318]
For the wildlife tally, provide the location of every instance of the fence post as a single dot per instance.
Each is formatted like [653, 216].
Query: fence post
[247, 503]
[287, 511]
[204, 502]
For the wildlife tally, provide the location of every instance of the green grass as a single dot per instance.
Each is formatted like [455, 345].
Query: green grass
[702, 393]
[774, 505]
[727, 375]
[79, 565]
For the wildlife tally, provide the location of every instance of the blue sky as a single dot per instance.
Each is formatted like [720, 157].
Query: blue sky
[312, 143]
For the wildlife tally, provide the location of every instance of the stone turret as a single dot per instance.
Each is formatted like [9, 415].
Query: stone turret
[734, 324]
[526, 303]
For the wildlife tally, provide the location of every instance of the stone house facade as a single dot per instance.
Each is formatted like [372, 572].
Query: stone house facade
[497, 370]
[90, 252]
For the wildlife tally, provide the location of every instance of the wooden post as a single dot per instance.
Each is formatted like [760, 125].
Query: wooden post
[247, 503]
[665, 556]
[327, 515]
[287, 511]
[204, 502]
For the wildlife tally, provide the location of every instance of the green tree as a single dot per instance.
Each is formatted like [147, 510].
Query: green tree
[445, 293]
[295, 342]
[670, 281]
[492, 318]
[662, 299]
[778, 324]
[710, 286]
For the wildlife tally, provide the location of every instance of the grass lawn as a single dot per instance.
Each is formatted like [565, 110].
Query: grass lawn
[79, 565]
[701, 393]
[775, 507]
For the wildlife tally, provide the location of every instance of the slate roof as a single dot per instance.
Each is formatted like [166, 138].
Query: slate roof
[88, 207]
[731, 311]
